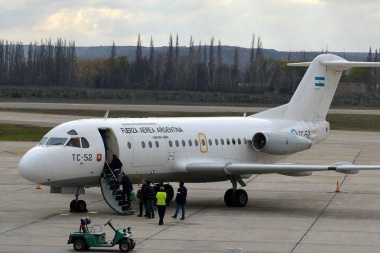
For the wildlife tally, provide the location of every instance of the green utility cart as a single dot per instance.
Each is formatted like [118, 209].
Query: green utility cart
[86, 238]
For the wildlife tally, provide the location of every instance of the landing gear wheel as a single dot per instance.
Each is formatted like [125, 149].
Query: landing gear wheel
[229, 197]
[73, 205]
[169, 192]
[78, 206]
[125, 245]
[81, 206]
[79, 245]
[241, 198]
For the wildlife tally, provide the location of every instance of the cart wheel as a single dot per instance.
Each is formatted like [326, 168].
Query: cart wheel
[125, 245]
[79, 245]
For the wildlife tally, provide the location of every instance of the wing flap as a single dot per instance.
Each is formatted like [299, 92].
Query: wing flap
[253, 168]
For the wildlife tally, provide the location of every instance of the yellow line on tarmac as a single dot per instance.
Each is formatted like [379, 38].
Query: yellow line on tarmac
[17, 151]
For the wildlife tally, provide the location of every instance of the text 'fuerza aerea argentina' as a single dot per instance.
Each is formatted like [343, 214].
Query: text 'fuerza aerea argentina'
[150, 130]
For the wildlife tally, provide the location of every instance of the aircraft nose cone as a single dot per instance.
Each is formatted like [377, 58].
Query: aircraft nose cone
[32, 167]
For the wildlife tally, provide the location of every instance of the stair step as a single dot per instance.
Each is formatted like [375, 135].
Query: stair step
[118, 197]
[114, 187]
[109, 197]
[126, 208]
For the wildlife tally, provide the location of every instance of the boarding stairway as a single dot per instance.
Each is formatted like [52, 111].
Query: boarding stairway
[112, 193]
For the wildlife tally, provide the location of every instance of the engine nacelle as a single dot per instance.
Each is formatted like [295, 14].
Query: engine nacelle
[279, 143]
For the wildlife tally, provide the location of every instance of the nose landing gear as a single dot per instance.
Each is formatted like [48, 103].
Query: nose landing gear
[78, 206]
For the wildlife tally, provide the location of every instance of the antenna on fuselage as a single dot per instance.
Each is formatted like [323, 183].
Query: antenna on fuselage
[106, 115]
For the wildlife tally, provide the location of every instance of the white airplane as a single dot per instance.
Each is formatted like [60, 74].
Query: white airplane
[72, 155]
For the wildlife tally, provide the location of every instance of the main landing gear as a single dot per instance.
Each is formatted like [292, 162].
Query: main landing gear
[78, 206]
[234, 196]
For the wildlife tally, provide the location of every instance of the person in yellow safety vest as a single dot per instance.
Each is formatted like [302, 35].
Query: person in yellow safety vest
[161, 204]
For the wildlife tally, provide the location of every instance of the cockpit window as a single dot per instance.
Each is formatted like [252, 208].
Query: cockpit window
[56, 141]
[85, 143]
[72, 132]
[43, 140]
[74, 142]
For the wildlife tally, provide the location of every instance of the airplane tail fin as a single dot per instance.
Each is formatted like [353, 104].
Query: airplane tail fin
[314, 95]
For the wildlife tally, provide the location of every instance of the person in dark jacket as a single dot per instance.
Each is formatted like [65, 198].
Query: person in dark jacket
[140, 197]
[180, 199]
[127, 189]
[145, 198]
[152, 199]
[116, 165]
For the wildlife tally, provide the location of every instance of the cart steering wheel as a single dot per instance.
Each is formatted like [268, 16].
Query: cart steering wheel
[108, 222]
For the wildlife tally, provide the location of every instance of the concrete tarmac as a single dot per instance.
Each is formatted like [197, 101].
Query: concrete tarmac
[284, 214]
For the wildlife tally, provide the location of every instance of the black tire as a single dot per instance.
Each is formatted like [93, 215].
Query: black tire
[125, 245]
[81, 206]
[169, 192]
[241, 198]
[73, 206]
[229, 198]
[80, 245]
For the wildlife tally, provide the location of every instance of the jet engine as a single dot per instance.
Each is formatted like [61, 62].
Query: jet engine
[279, 143]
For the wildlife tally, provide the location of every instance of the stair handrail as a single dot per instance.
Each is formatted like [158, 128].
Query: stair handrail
[109, 168]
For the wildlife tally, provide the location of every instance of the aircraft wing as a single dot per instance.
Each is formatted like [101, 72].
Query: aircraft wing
[281, 168]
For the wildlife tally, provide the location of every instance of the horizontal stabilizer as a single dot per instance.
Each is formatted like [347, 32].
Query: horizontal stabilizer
[338, 65]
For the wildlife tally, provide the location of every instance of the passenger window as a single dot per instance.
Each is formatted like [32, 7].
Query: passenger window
[228, 141]
[183, 143]
[239, 141]
[43, 140]
[222, 141]
[196, 142]
[56, 141]
[190, 143]
[203, 143]
[129, 145]
[216, 142]
[210, 142]
[245, 141]
[74, 142]
[85, 143]
[157, 144]
[233, 141]
[170, 144]
[143, 144]
[177, 143]
[150, 144]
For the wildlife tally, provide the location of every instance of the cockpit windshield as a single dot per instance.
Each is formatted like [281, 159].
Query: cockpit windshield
[56, 141]
[76, 142]
[43, 140]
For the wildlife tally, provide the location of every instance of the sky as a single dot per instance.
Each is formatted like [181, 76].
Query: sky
[284, 25]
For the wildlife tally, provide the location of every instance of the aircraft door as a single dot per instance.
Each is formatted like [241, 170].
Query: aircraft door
[203, 145]
[111, 145]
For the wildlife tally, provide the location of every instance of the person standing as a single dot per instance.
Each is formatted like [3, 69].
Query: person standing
[145, 197]
[127, 189]
[161, 204]
[116, 165]
[180, 199]
[141, 203]
[152, 198]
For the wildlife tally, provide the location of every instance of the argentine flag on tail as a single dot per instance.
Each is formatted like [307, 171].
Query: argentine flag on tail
[319, 81]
